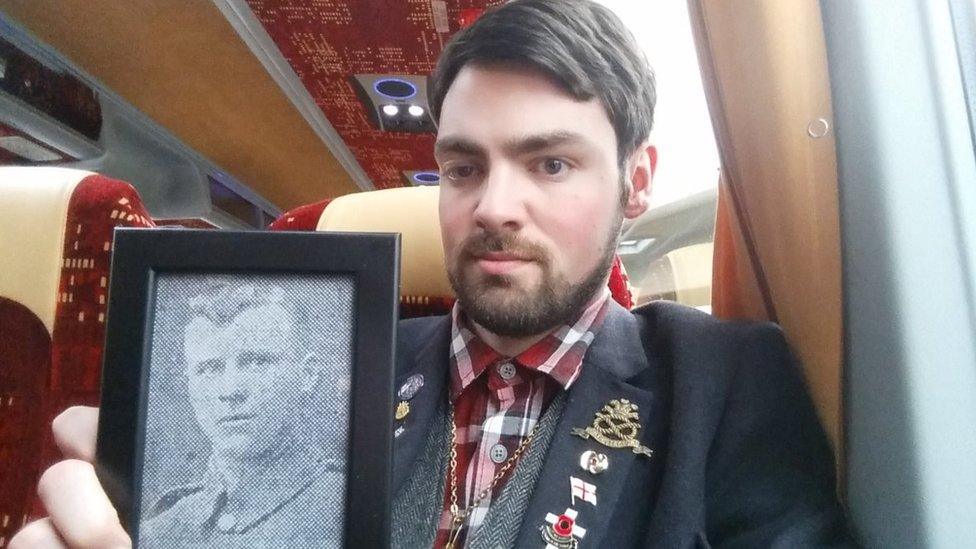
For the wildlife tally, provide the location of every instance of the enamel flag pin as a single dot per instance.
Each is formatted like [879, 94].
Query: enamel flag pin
[582, 490]
[562, 531]
[616, 425]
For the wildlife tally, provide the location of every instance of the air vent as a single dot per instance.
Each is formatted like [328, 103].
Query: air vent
[28, 150]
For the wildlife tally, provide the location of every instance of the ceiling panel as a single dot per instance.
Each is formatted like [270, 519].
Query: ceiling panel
[183, 65]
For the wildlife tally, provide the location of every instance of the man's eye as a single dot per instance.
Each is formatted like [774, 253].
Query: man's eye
[209, 367]
[256, 360]
[553, 166]
[457, 173]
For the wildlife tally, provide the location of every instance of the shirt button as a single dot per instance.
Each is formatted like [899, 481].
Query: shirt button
[506, 370]
[226, 522]
[498, 453]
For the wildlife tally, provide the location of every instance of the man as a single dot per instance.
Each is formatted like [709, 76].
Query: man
[251, 378]
[541, 413]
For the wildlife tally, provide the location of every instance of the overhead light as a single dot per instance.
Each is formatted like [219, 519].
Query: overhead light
[427, 178]
[395, 88]
[416, 110]
[391, 110]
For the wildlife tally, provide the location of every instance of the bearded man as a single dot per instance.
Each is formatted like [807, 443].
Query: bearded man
[542, 413]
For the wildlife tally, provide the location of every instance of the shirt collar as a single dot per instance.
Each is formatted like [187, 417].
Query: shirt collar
[558, 355]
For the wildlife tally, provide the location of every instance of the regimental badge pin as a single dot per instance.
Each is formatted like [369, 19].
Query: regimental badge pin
[594, 462]
[616, 426]
[411, 386]
[402, 410]
[562, 532]
[582, 490]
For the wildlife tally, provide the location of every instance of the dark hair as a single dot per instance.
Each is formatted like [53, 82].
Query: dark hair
[582, 45]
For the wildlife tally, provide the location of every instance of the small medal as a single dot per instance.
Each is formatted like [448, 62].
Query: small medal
[402, 410]
[410, 387]
[562, 531]
[616, 426]
[594, 462]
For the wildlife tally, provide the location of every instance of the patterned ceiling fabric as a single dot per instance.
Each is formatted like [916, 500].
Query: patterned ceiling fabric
[327, 42]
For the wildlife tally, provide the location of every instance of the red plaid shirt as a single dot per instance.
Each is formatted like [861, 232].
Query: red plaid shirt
[497, 400]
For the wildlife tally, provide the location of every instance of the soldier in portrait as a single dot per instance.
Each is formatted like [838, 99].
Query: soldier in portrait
[251, 381]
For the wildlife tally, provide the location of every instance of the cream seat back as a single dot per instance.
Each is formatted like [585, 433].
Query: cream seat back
[412, 212]
[32, 232]
[56, 228]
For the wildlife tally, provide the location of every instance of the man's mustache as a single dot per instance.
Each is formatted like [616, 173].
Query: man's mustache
[479, 245]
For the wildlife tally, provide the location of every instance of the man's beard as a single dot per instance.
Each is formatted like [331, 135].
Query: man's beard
[496, 303]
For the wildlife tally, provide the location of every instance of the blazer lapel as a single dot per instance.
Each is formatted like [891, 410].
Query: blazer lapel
[410, 434]
[614, 356]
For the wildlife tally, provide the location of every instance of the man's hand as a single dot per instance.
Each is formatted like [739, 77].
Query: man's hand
[80, 514]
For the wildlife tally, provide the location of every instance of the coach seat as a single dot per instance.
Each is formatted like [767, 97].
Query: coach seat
[55, 244]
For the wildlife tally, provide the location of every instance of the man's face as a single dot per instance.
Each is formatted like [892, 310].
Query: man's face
[246, 379]
[530, 200]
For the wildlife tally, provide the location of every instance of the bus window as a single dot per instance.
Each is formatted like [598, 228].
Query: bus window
[667, 252]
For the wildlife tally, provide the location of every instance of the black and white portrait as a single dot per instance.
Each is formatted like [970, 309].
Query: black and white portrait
[248, 412]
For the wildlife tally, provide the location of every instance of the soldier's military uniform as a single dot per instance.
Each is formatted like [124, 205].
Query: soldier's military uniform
[293, 504]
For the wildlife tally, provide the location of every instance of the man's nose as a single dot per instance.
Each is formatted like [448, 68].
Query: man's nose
[501, 205]
[230, 388]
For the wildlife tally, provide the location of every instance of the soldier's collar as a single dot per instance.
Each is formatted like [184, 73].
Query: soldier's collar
[265, 489]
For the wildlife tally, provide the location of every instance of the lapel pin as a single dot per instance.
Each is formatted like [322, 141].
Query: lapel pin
[582, 490]
[616, 425]
[594, 462]
[410, 387]
[402, 410]
[562, 531]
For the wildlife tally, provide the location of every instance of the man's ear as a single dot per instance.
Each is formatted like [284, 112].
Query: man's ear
[311, 371]
[640, 169]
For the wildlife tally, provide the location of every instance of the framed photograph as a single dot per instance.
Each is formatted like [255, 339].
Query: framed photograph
[247, 388]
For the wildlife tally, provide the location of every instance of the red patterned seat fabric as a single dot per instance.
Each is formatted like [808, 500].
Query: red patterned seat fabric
[41, 375]
[302, 218]
[25, 362]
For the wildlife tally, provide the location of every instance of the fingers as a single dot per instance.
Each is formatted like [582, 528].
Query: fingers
[74, 432]
[39, 534]
[79, 508]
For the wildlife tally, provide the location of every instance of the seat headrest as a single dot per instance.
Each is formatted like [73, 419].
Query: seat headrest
[410, 211]
[33, 209]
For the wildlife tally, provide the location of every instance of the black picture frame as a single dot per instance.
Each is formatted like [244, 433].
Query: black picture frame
[141, 257]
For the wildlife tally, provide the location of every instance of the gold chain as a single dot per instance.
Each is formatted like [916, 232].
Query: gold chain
[459, 515]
